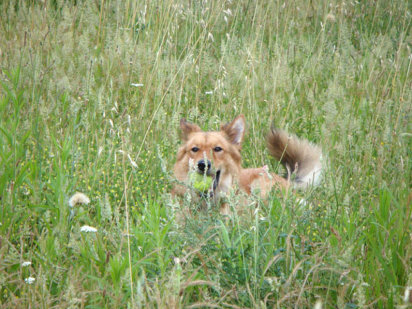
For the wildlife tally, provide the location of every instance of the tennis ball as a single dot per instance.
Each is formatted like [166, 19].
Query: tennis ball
[200, 182]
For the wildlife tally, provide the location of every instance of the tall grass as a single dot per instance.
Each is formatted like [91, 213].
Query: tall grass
[90, 100]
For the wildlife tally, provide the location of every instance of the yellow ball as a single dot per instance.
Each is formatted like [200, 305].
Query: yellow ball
[200, 182]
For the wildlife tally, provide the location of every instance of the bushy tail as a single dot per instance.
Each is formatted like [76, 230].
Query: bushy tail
[299, 157]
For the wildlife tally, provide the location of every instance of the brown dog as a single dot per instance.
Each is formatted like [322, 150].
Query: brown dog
[217, 155]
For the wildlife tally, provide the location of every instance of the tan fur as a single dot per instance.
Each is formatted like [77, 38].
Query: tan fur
[297, 155]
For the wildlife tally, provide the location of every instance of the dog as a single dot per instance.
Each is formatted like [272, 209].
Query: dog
[217, 154]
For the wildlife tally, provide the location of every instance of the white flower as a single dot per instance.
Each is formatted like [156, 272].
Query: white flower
[179, 260]
[136, 85]
[78, 198]
[88, 229]
[209, 92]
[30, 280]
[25, 264]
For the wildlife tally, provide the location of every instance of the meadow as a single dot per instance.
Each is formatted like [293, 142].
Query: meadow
[91, 94]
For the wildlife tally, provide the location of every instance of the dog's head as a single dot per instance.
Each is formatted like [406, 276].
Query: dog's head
[216, 154]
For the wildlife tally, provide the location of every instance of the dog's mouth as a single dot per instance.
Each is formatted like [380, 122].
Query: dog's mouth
[216, 180]
[210, 190]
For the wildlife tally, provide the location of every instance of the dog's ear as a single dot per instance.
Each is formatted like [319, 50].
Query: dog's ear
[188, 128]
[235, 130]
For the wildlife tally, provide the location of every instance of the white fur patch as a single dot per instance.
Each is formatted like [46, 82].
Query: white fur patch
[312, 178]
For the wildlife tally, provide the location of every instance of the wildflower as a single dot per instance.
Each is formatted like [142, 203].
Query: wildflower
[25, 264]
[30, 280]
[136, 85]
[178, 260]
[78, 198]
[88, 229]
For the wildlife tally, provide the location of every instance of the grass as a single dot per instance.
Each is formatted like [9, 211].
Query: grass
[90, 100]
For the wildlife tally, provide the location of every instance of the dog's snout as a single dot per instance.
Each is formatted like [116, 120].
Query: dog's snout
[201, 165]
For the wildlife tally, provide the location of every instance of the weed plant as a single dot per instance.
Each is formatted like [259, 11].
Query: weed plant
[91, 96]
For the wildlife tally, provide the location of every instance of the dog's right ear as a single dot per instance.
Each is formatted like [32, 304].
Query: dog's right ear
[235, 130]
[188, 128]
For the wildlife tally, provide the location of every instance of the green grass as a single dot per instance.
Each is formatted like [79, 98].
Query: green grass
[336, 73]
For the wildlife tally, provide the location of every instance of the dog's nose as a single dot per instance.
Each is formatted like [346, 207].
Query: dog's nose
[201, 165]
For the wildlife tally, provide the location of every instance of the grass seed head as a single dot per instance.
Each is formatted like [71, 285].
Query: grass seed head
[79, 198]
[407, 297]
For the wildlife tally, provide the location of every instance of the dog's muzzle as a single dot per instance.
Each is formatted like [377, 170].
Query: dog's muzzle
[204, 166]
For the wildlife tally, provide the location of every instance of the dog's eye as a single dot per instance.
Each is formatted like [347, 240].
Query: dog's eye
[195, 149]
[217, 149]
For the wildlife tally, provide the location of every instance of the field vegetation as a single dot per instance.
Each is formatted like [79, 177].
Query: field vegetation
[91, 94]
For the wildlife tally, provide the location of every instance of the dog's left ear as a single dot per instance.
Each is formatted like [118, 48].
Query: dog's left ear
[235, 130]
